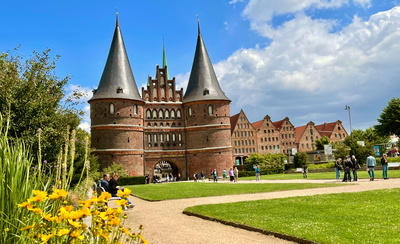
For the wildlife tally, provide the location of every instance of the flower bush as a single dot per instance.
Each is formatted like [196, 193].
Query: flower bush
[91, 221]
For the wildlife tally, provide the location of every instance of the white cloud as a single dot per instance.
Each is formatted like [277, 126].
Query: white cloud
[85, 122]
[363, 3]
[309, 67]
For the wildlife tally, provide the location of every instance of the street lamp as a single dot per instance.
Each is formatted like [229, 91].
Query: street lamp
[351, 134]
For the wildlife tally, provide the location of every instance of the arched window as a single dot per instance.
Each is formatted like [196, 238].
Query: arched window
[155, 124]
[155, 93]
[148, 138]
[148, 114]
[162, 80]
[155, 137]
[190, 111]
[167, 125]
[210, 110]
[161, 137]
[179, 137]
[161, 125]
[135, 109]
[173, 137]
[162, 94]
[147, 97]
[173, 124]
[178, 113]
[154, 114]
[148, 125]
[172, 114]
[167, 137]
[178, 97]
[167, 114]
[160, 114]
[179, 124]
[111, 108]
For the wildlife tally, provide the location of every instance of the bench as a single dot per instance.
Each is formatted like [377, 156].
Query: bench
[394, 165]
[100, 189]
[299, 170]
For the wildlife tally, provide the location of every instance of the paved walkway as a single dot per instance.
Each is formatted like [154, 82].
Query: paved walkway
[164, 222]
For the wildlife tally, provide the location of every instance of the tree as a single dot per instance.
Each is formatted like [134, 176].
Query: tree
[389, 121]
[31, 97]
[319, 143]
[300, 159]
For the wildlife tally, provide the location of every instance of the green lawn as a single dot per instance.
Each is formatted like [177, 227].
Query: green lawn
[365, 217]
[181, 190]
[362, 174]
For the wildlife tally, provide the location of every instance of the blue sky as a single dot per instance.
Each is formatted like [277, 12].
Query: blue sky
[302, 59]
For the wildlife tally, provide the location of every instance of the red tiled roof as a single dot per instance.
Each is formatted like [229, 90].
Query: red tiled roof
[299, 132]
[279, 123]
[257, 124]
[326, 129]
[234, 120]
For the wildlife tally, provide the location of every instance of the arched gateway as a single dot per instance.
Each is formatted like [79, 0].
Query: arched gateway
[166, 171]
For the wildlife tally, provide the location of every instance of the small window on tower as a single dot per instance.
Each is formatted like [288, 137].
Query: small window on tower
[206, 92]
[210, 110]
[178, 113]
[120, 90]
[190, 111]
[135, 109]
[111, 108]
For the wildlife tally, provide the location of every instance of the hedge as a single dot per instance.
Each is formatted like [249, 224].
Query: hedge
[131, 180]
[262, 172]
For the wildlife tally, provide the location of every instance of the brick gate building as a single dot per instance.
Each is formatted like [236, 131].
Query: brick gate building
[191, 132]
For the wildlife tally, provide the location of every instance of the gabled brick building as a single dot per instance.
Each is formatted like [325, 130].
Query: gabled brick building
[306, 136]
[244, 138]
[287, 135]
[267, 136]
[334, 131]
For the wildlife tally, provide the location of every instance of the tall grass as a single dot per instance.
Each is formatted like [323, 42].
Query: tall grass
[19, 178]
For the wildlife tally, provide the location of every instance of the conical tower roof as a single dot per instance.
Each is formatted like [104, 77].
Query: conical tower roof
[117, 80]
[203, 83]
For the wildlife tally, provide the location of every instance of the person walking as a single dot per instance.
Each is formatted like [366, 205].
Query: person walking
[236, 173]
[304, 170]
[356, 166]
[347, 166]
[223, 174]
[231, 175]
[257, 171]
[203, 176]
[215, 174]
[338, 167]
[371, 163]
[384, 163]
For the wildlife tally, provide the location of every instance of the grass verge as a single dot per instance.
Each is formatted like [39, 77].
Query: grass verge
[362, 174]
[364, 217]
[167, 191]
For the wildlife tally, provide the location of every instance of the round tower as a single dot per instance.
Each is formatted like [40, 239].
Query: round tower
[207, 117]
[116, 113]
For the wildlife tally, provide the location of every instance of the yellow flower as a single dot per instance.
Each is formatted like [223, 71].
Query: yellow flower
[76, 234]
[74, 224]
[47, 217]
[142, 239]
[63, 232]
[36, 210]
[40, 196]
[121, 202]
[25, 204]
[119, 210]
[104, 196]
[124, 193]
[58, 193]
[114, 221]
[45, 238]
[75, 214]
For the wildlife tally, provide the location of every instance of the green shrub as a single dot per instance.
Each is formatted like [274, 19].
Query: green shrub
[131, 180]
[394, 160]
[322, 166]
[115, 168]
[300, 159]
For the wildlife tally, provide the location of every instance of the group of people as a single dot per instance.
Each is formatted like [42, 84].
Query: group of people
[233, 175]
[111, 186]
[350, 165]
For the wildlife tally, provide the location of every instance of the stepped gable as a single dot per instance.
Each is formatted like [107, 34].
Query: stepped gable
[117, 80]
[203, 83]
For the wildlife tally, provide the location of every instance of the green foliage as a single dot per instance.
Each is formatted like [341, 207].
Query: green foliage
[262, 172]
[300, 159]
[302, 216]
[389, 122]
[322, 166]
[19, 178]
[266, 161]
[319, 143]
[115, 168]
[31, 96]
[131, 180]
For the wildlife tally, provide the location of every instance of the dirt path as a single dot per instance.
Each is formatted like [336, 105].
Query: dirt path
[164, 222]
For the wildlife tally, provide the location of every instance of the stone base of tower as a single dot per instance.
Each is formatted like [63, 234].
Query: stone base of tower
[207, 161]
[132, 163]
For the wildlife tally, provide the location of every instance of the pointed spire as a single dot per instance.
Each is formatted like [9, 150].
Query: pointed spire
[117, 19]
[198, 24]
[203, 83]
[164, 63]
[117, 80]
